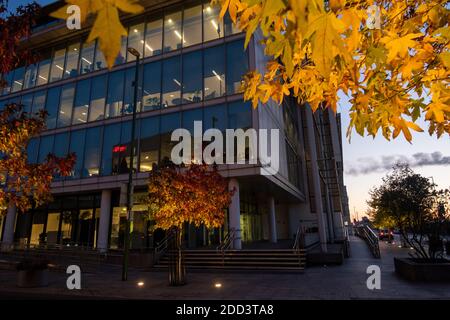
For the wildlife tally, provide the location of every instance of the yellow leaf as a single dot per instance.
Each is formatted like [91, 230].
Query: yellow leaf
[398, 46]
[108, 29]
[128, 6]
[414, 126]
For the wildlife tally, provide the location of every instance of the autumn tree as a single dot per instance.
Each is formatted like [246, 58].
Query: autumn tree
[22, 184]
[25, 184]
[411, 203]
[391, 57]
[197, 195]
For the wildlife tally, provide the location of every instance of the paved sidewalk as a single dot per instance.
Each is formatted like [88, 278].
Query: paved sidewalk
[325, 282]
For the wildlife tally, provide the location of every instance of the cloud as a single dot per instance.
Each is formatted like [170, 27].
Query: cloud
[385, 163]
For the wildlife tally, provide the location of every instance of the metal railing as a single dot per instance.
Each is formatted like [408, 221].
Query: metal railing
[299, 242]
[163, 245]
[227, 241]
[366, 233]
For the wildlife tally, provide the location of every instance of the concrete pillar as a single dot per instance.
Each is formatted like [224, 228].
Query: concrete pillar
[316, 178]
[272, 221]
[105, 218]
[235, 213]
[8, 235]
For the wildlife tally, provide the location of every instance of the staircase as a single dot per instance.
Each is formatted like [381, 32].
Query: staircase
[270, 260]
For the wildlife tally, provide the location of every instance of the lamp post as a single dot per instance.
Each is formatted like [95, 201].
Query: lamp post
[126, 247]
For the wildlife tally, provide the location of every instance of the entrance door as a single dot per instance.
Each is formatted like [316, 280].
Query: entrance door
[86, 228]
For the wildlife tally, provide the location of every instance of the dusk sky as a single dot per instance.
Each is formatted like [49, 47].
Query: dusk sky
[367, 160]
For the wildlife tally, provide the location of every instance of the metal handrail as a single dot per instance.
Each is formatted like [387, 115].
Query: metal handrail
[163, 245]
[371, 239]
[227, 240]
[298, 234]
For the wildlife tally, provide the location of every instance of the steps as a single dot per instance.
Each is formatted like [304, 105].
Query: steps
[274, 260]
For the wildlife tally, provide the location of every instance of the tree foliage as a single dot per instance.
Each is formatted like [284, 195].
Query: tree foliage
[22, 183]
[394, 74]
[14, 27]
[197, 194]
[107, 27]
[410, 202]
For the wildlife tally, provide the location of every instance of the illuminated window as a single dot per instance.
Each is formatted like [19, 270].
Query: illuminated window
[212, 24]
[192, 77]
[65, 108]
[192, 26]
[237, 66]
[153, 38]
[98, 98]
[57, 68]
[51, 106]
[111, 138]
[87, 57]
[17, 81]
[77, 146]
[214, 72]
[92, 152]
[172, 32]
[71, 69]
[30, 76]
[149, 144]
[81, 105]
[171, 85]
[136, 40]
[151, 91]
[44, 68]
[115, 94]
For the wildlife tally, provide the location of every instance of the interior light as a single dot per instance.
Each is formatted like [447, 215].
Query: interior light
[208, 9]
[86, 60]
[58, 66]
[75, 49]
[136, 30]
[214, 24]
[45, 79]
[177, 82]
[217, 76]
[169, 21]
[83, 113]
[148, 47]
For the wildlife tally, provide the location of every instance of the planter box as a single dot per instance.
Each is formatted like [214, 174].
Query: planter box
[422, 270]
[32, 278]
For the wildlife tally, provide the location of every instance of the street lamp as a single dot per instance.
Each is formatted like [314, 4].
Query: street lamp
[126, 247]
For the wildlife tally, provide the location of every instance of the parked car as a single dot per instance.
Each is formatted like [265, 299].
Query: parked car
[385, 234]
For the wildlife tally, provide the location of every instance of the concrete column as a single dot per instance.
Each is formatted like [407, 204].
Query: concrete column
[8, 235]
[105, 218]
[316, 178]
[235, 213]
[272, 221]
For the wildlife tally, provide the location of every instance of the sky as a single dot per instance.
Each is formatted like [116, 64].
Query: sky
[367, 160]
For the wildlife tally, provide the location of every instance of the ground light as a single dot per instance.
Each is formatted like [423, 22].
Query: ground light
[217, 285]
[140, 284]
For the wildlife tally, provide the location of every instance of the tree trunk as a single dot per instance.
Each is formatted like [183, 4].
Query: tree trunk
[177, 270]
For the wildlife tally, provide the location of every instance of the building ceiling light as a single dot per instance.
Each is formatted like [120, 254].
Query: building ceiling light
[169, 21]
[214, 24]
[208, 9]
[217, 76]
[179, 35]
[83, 58]
[58, 66]
[45, 79]
[177, 82]
[136, 30]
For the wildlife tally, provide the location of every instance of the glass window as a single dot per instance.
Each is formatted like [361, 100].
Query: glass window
[17, 82]
[92, 152]
[45, 147]
[71, 69]
[27, 102]
[128, 98]
[172, 31]
[44, 68]
[81, 105]
[153, 38]
[38, 101]
[122, 156]
[212, 24]
[30, 76]
[215, 117]
[98, 98]
[192, 26]
[192, 77]
[237, 66]
[57, 69]
[77, 146]
[188, 123]
[169, 122]
[121, 58]
[239, 115]
[136, 40]
[33, 150]
[230, 27]
[51, 106]
[171, 86]
[151, 95]
[111, 140]
[87, 57]
[65, 108]
[100, 61]
[115, 94]
[149, 147]
[61, 146]
[214, 70]
[8, 84]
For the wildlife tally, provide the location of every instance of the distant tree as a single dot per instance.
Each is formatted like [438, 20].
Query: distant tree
[197, 194]
[411, 203]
